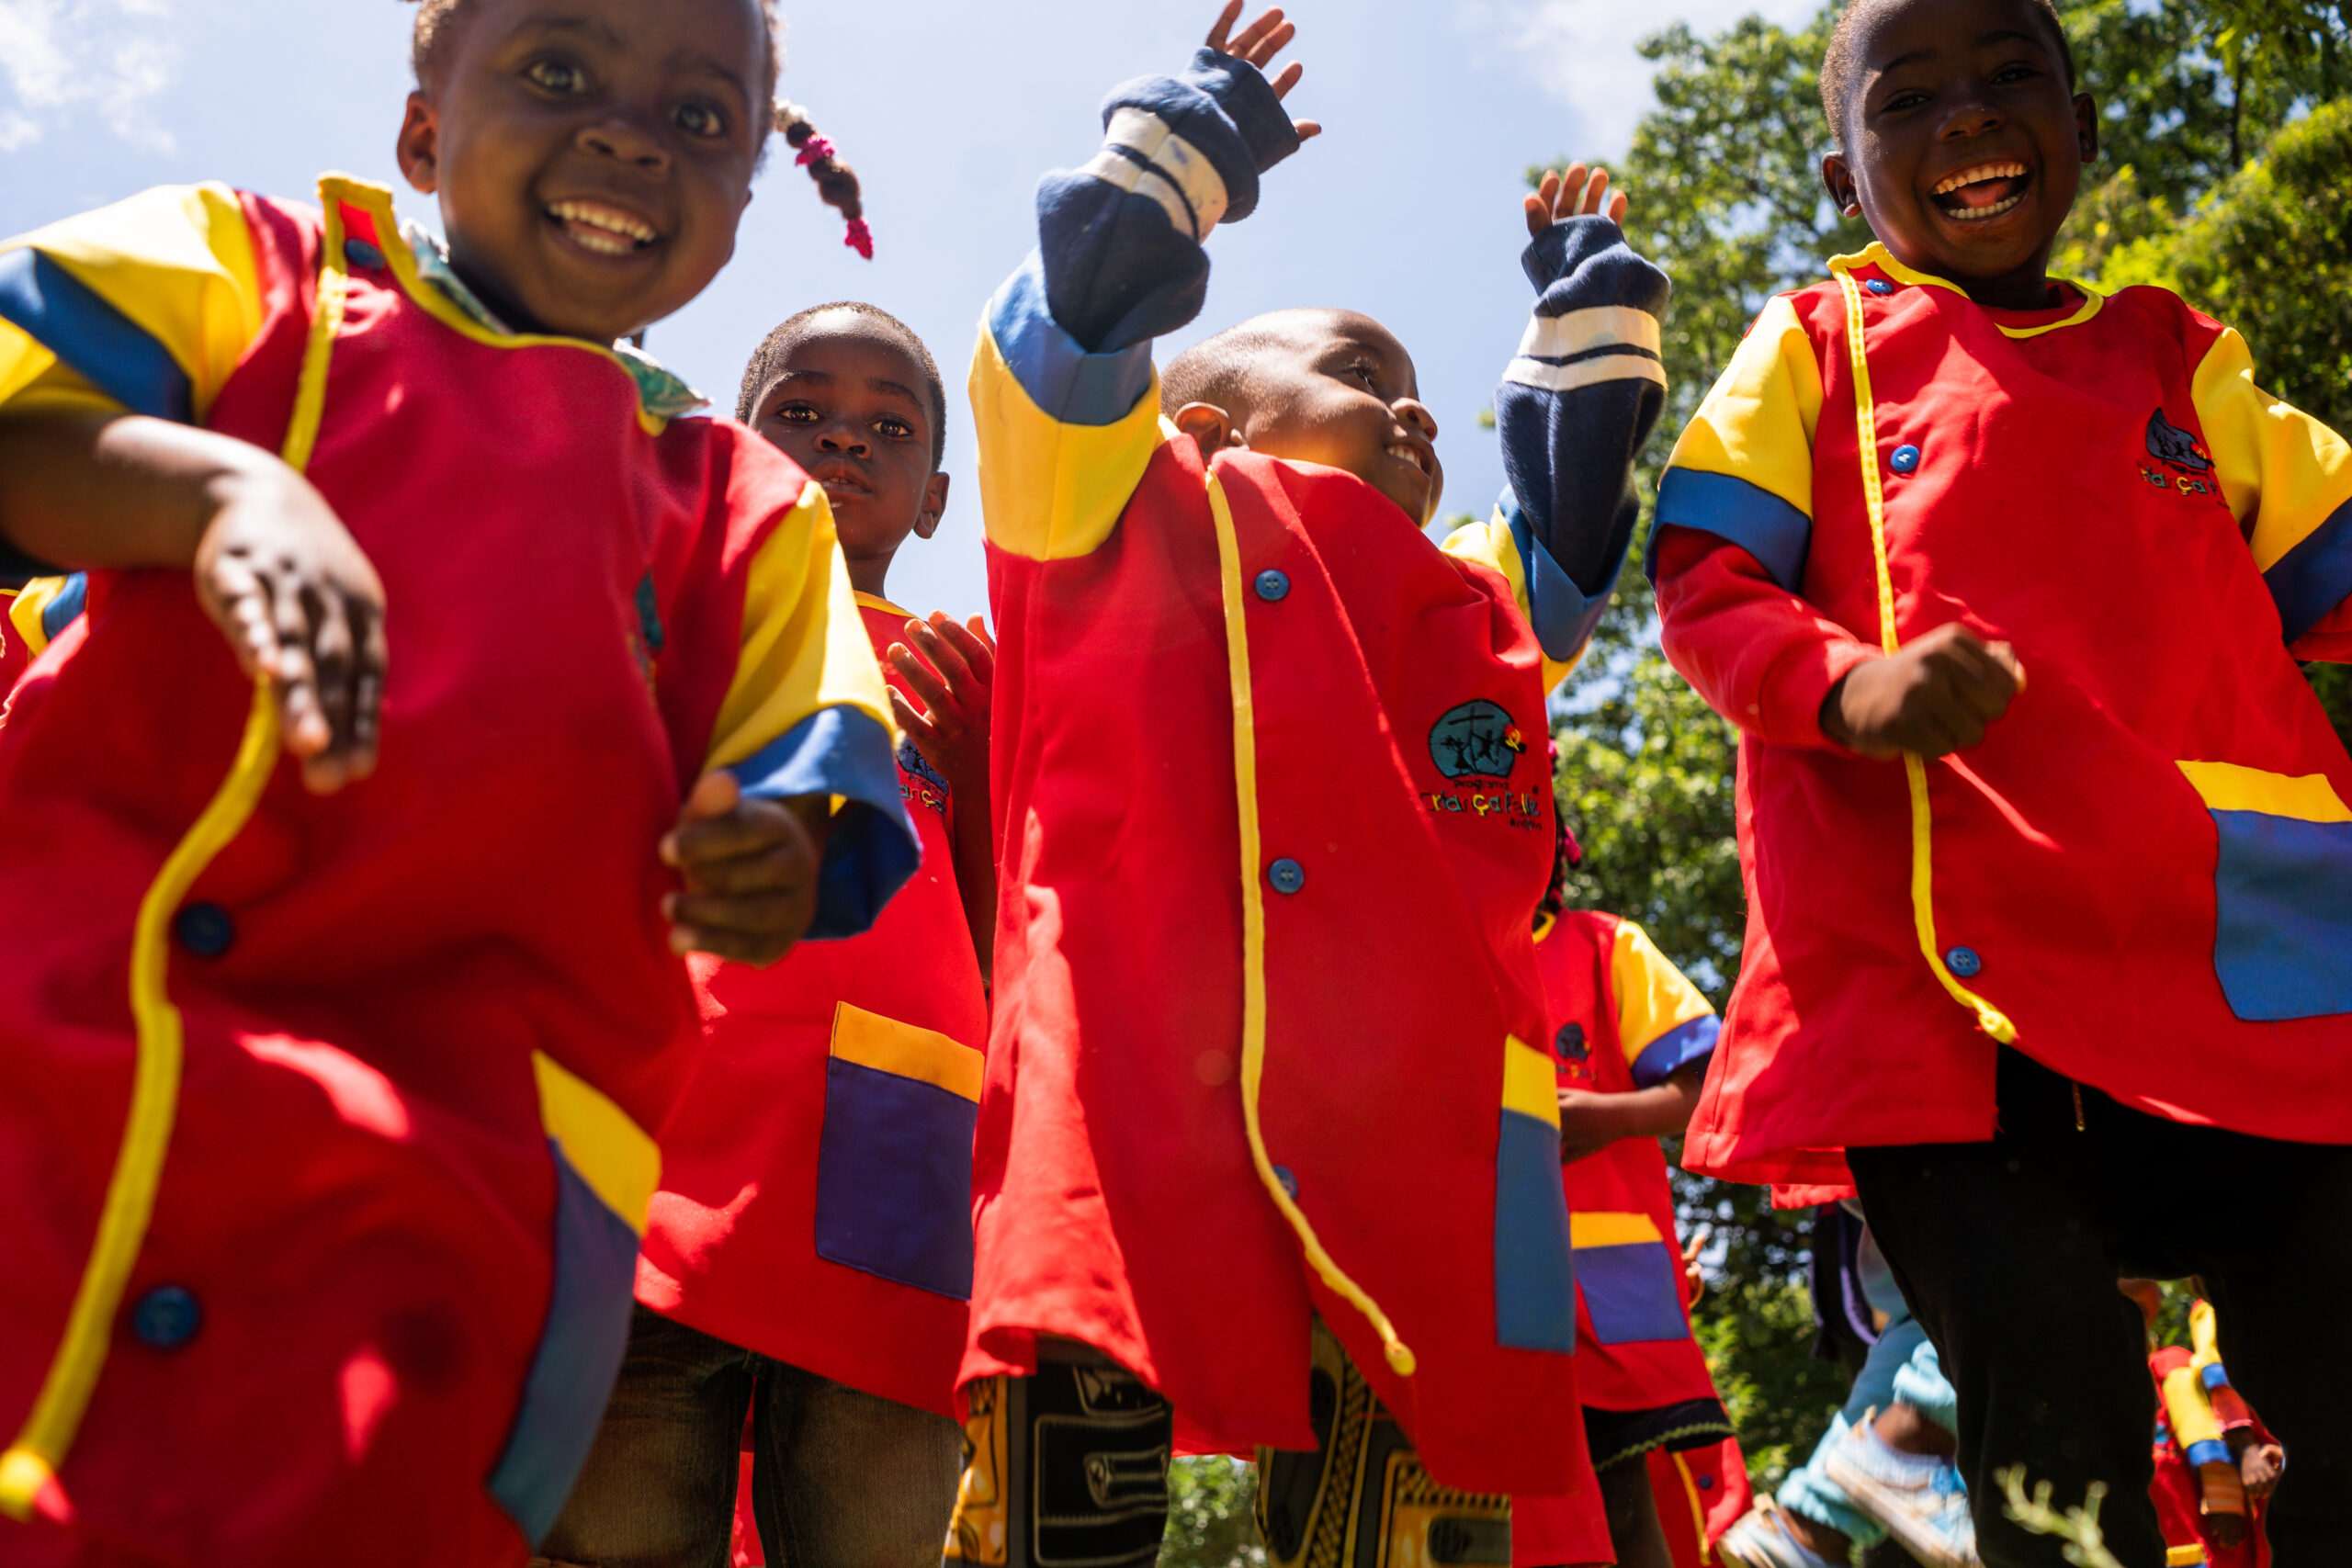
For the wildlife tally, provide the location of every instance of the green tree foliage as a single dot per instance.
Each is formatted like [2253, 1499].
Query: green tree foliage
[1726, 194]
[1210, 1523]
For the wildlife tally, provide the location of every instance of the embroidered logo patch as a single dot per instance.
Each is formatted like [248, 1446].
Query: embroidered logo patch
[1476, 745]
[2181, 462]
[919, 781]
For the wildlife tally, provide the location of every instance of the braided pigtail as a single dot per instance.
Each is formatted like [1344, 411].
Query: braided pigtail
[1566, 855]
[836, 181]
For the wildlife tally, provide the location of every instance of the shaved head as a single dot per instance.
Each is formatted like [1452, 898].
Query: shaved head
[1230, 370]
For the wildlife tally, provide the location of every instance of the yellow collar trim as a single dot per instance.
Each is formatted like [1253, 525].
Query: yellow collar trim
[1878, 256]
[375, 200]
[876, 602]
[1544, 927]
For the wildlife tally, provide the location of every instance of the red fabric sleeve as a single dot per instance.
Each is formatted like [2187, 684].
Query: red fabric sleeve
[1762, 657]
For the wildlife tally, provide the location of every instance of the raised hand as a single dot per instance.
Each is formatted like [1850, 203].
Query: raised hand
[950, 667]
[1258, 43]
[749, 869]
[1573, 192]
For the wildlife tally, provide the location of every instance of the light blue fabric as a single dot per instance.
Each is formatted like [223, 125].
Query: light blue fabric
[1902, 1366]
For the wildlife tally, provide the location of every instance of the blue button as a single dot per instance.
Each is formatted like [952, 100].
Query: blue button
[1273, 585]
[1879, 285]
[1287, 876]
[1706, 1484]
[362, 255]
[1286, 1181]
[205, 930]
[1905, 458]
[1963, 961]
[166, 1317]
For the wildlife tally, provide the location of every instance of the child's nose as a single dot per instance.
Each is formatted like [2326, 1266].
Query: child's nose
[621, 139]
[843, 436]
[1971, 117]
[1412, 412]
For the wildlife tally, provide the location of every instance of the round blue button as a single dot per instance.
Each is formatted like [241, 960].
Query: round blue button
[1288, 1182]
[166, 1317]
[205, 930]
[1963, 961]
[362, 255]
[1706, 1484]
[1273, 585]
[1879, 285]
[1287, 876]
[1905, 458]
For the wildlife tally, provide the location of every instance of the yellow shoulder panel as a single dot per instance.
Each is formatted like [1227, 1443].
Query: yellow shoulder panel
[1757, 421]
[1652, 995]
[2279, 467]
[1051, 490]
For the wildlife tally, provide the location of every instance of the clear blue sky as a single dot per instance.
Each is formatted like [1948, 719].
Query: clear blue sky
[1407, 207]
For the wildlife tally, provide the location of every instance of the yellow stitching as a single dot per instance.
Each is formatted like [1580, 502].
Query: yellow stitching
[1253, 941]
[31, 1462]
[1990, 1019]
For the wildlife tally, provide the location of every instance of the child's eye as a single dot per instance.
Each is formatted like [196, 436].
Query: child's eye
[896, 428]
[795, 413]
[2012, 73]
[699, 119]
[555, 75]
[1901, 101]
[1364, 371]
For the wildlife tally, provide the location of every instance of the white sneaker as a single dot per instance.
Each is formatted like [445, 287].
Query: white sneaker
[1921, 1501]
[1760, 1540]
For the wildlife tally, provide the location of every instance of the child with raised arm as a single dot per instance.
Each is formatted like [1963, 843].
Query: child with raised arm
[1271, 829]
[325, 1089]
[2047, 843]
[809, 1253]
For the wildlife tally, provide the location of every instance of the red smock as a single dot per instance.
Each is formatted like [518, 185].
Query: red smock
[2146, 868]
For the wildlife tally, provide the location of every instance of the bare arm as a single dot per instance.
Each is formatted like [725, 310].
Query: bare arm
[1590, 1122]
[274, 567]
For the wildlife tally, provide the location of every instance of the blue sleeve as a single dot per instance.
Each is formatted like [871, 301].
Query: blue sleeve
[1574, 406]
[1119, 259]
[841, 751]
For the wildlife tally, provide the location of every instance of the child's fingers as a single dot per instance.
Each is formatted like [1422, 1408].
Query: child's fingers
[1224, 25]
[1306, 130]
[936, 698]
[1617, 208]
[708, 841]
[1259, 41]
[1288, 79]
[972, 642]
[1565, 196]
[941, 654]
[913, 721]
[780, 865]
[978, 626]
[2004, 655]
[743, 914]
[1589, 201]
[715, 794]
[303, 722]
[368, 671]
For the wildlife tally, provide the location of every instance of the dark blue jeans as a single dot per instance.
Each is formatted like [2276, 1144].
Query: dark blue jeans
[840, 1477]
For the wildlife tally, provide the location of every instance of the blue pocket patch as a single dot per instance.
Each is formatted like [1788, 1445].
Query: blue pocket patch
[2283, 891]
[894, 1165]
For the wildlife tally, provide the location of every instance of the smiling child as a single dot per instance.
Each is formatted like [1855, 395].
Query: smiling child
[809, 1253]
[1272, 831]
[322, 1098]
[2046, 840]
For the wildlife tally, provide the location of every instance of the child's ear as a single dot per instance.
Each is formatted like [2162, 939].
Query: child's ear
[2086, 125]
[1839, 177]
[1210, 427]
[418, 147]
[934, 506]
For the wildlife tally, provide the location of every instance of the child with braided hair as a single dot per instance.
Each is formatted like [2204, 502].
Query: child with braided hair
[573, 682]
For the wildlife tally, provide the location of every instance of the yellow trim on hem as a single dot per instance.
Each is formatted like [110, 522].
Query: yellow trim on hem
[2184, 1557]
[31, 1462]
[1698, 1508]
[611, 1153]
[1878, 256]
[1531, 1084]
[2305, 798]
[1990, 1019]
[1254, 941]
[1592, 1230]
[907, 1051]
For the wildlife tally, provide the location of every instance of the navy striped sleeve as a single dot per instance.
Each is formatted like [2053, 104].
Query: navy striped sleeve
[1119, 239]
[1575, 404]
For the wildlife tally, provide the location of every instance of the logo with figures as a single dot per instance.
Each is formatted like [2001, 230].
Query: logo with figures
[1477, 747]
[919, 781]
[2182, 463]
